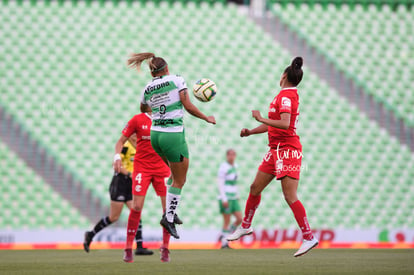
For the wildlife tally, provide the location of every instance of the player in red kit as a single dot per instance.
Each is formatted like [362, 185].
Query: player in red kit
[284, 158]
[148, 168]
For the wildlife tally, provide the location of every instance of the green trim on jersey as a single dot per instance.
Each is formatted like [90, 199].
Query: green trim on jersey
[228, 173]
[231, 182]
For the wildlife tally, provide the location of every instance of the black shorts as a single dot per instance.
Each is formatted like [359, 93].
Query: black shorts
[121, 188]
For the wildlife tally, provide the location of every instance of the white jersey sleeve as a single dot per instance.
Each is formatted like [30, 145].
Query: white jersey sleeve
[221, 180]
[143, 101]
[180, 82]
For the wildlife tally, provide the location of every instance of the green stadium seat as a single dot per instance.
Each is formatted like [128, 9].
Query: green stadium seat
[365, 32]
[29, 197]
[79, 95]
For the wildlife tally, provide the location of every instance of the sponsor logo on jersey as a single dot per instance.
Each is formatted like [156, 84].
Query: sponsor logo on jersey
[286, 102]
[159, 97]
[157, 87]
[160, 122]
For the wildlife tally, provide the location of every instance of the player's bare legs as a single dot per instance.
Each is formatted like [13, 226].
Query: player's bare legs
[179, 176]
[114, 213]
[226, 221]
[238, 221]
[289, 188]
[163, 203]
[225, 230]
[259, 184]
[132, 226]
[179, 172]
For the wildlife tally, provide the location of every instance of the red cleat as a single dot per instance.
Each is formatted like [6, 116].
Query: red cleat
[165, 254]
[128, 258]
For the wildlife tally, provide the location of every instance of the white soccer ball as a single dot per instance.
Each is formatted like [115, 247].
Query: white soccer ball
[205, 89]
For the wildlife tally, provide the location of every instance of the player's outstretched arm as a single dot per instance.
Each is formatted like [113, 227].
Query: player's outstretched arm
[283, 123]
[192, 109]
[262, 128]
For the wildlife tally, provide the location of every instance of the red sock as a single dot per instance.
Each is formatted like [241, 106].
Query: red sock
[165, 238]
[300, 216]
[251, 205]
[133, 222]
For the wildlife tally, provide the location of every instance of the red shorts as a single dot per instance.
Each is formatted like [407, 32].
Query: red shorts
[282, 162]
[142, 180]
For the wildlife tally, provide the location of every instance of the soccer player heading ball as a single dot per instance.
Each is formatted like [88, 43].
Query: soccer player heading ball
[166, 95]
[284, 158]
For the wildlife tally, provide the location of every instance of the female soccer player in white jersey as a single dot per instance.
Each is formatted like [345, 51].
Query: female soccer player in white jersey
[228, 195]
[166, 95]
[284, 157]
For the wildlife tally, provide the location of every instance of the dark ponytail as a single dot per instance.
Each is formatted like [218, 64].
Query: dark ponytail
[294, 71]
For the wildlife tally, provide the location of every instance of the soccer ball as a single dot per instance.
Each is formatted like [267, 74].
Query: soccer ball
[205, 90]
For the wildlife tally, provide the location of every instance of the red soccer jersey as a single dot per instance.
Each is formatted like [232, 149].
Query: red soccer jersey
[146, 159]
[287, 101]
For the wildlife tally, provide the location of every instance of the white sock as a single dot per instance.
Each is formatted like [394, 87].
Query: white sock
[224, 241]
[172, 202]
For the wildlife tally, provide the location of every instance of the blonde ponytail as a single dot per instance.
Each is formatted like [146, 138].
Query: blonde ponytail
[156, 64]
[136, 59]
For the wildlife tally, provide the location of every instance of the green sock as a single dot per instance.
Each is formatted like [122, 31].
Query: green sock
[174, 190]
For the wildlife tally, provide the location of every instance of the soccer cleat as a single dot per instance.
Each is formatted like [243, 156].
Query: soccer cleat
[240, 232]
[165, 254]
[143, 251]
[87, 240]
[177, 220]
[306, 246]
[170, 227]
[128, 258]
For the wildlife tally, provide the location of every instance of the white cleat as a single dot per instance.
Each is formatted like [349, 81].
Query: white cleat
[239, 232]
[306, 247]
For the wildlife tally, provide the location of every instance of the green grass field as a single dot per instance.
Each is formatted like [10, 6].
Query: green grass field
[323, 261]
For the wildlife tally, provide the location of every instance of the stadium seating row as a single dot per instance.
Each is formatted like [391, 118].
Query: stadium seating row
[342, 2]
[27, 202]
[70, 88]
[357, 41]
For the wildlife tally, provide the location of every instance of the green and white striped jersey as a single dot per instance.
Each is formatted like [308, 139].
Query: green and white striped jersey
[227, 182]
[162, 95]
